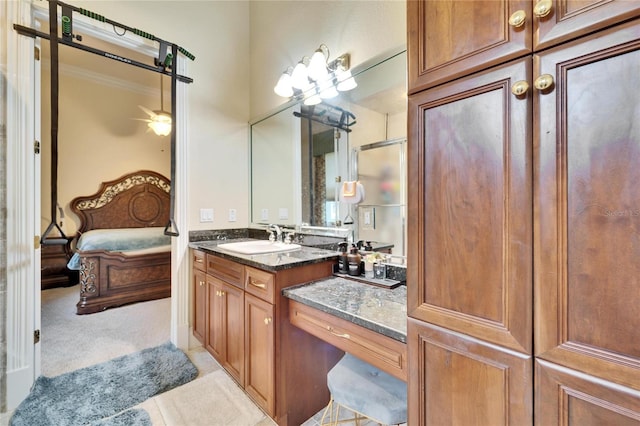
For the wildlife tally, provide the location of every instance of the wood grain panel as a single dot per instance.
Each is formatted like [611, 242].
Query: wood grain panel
[588, 228]
[570, 19]
[569, 397]
[448, 39]
[465, 381]
[470, 164]
[260, 352]
[199, 310]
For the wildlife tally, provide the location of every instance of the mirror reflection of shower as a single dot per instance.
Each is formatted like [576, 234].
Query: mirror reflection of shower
[324, 163]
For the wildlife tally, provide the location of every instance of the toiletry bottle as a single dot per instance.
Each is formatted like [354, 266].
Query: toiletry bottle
[354, 259]
[343, 260]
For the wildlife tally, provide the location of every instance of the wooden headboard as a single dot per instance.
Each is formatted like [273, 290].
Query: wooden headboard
[136, 200]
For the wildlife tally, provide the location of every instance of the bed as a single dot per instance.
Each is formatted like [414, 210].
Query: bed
[122, 254]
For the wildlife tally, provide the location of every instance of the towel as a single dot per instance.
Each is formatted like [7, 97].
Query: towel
[352, 192]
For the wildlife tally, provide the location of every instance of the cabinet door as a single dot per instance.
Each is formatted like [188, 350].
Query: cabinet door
[587, 168]
[458, 380]
[233, 301]
[569, 19]
[260, 352]
[470, 207]
[199, 304]
[216, 319]
[448, 39]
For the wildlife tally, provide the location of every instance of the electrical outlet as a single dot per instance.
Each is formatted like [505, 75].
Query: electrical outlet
[232, 215]
[283, 213]
[264, 214]
[206, 215]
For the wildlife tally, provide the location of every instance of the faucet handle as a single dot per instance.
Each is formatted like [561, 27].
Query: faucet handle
[288, 236]
[272, 236]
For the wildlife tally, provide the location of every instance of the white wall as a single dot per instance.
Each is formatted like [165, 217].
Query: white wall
[241, 48]
[282, 32]
[216, 32]
[98, 138]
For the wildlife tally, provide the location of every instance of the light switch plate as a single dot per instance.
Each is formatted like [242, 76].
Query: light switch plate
[206, 215]
[233, 215]
[283, 213]
[264, 214]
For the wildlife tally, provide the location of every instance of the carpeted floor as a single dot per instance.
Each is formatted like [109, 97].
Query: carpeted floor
[101, 391]
[71, 341]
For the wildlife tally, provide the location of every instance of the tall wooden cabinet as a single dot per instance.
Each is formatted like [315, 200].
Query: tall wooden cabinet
[524, 213]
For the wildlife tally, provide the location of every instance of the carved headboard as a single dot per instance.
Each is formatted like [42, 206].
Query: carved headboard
[136, 200]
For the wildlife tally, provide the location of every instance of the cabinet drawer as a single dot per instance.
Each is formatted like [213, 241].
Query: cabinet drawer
[260, 283]
[198, 260]
[226, 270]
[378, 350]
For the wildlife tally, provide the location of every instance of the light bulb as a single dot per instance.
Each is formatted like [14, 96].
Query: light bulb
[283, 88]
[327, 90]
[312, 98]
[318, 66]
[346, 81]
[161, 124]
[300, 77]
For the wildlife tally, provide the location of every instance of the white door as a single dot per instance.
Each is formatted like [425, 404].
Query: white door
[22, 199]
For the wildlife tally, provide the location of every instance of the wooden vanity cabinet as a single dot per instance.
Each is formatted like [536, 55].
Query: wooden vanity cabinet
[453, 38]
[199, 310]
[522, 267]
[282, 368]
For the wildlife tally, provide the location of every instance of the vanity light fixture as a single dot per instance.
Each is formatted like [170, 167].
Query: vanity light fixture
[316, 78]
[312, 97]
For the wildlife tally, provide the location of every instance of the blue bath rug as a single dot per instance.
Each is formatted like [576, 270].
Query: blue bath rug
[88, 395]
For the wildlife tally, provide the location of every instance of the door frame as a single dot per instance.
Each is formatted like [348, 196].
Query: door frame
[23, 210]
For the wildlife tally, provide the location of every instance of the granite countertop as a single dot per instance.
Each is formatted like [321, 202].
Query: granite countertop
[268, 261]
[379, 309]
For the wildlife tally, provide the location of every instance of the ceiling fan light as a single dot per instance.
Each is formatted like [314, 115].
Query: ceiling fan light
[161, 123]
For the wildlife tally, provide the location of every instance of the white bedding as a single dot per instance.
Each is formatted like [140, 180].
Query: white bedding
[130, 241]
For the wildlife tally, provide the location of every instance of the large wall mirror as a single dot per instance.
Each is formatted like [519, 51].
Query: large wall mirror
[301, 156]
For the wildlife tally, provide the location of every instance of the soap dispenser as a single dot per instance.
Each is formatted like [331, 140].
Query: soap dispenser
[343, 260]
[354, 260]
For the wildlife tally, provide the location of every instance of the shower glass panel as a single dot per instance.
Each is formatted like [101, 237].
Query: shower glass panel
[381, 169]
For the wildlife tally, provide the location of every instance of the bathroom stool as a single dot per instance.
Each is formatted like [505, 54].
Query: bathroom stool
[366, 391]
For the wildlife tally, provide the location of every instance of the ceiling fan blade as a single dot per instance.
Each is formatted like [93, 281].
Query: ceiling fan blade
[148, 111]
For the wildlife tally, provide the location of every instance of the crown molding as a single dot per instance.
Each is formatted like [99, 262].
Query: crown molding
[103, 79]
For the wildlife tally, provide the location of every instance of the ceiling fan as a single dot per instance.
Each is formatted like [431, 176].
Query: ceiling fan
[159, 120]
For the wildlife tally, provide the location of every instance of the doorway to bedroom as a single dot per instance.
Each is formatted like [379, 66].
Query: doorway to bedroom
[102, 136]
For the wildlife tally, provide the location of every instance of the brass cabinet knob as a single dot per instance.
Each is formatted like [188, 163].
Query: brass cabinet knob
[543, 82]
[542, 8]
[519, 88]
[267, 321]
[518, 18]
[201, 283]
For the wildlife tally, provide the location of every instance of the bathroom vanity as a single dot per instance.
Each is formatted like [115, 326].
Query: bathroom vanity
[242, 318]
[364, 320]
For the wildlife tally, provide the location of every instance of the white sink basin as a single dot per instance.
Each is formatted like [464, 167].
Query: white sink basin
[258, 247]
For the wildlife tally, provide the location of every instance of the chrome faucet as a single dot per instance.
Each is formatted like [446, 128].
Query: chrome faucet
[275, 233]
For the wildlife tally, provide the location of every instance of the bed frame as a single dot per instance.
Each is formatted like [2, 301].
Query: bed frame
[110, 279]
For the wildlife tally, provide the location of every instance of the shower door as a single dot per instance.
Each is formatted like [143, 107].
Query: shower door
[381, 169]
